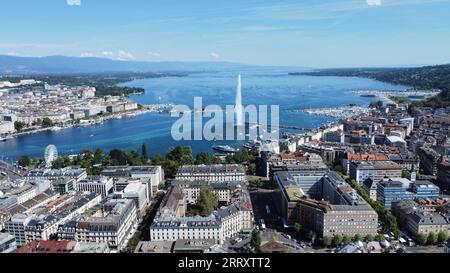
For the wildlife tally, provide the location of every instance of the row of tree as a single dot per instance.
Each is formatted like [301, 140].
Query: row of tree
[339, 239]
[387, 220]
[304, 233]
[96, 161]
[44, 123]
[143, 231]
[432, 238]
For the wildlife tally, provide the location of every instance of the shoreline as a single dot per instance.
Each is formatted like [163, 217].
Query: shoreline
[147, 109]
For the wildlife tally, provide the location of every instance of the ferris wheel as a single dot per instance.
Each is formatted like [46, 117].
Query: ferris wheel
[51, 154]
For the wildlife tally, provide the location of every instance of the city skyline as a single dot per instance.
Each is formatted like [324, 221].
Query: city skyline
[349, 33]
[248, 128]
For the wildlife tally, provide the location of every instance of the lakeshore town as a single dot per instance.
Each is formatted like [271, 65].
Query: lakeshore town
[31, 106]
[374, 182]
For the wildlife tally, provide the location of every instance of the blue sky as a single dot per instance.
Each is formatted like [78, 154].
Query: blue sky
[308, 33]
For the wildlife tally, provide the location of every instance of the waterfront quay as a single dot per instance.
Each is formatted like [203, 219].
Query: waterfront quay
[39, 107]
[338, 112]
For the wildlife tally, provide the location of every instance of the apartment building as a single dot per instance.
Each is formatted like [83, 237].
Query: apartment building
[418, 220]
[52, 175]
[114, 223]
[171, 224]
[191, 189]
[213, 173]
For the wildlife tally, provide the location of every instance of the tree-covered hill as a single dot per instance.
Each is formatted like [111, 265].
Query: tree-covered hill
[428, 77]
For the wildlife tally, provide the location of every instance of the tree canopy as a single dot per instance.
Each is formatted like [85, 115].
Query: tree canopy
[207, 201]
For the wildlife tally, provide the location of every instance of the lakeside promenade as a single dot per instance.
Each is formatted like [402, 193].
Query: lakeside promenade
[93, 121]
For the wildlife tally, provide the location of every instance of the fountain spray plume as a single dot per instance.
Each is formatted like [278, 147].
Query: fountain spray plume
[239, 106]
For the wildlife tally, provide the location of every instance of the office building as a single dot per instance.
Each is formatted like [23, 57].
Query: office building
[97, 184]
[378, 170]
[64, 185]
[7, 243]
[16, 227]
[138, 193]
[394, 190]
[153, 175]
[336, 209]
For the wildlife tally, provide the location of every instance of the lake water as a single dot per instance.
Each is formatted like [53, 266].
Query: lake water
[260, 87]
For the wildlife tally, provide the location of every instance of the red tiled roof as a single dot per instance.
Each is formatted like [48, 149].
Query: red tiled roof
[47, 247]
[367, 157]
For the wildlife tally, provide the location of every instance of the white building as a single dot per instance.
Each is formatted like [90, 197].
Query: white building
[98, 184]
[191, 189]
[29, 190]
[114, 224]
[170, 224]
[41, 227]
[396, 141]
[74, 173]
[153, 175]
[219, 226]
[6, 128]
[289, 145]
[16, 227]
[89, 248]
[7, 243]
[138, 193]
[233, 220]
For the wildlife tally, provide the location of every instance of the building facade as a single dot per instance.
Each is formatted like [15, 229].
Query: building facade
[361, 171]
[96, 184]
[7, 243]
[390, 191]
[213, 173]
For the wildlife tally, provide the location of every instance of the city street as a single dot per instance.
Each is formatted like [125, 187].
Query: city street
[425, 249]
[11, 171]
[261, 200]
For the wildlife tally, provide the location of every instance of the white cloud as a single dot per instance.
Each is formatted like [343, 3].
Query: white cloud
[120, 55]
[124, 56]
[374, 2]
[87, 54]
[74, 2]
[215, 55]
[108, 54]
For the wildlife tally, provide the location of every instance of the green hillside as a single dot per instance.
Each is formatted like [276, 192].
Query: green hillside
[429, 77]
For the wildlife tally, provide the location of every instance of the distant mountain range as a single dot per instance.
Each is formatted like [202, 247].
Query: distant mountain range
[66, 65]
